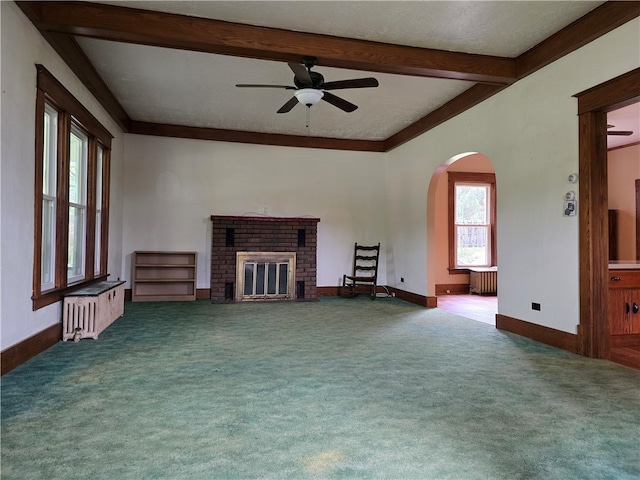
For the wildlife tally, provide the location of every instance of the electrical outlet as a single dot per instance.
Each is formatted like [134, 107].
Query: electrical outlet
[535, 306]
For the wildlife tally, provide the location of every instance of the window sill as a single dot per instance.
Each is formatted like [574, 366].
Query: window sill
[52, 296]
[462, 271]
[458, 271]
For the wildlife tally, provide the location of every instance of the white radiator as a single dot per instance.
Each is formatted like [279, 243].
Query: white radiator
[483, 280]
[89, 311]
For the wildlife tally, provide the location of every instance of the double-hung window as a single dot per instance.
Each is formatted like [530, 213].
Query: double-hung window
[472, 214]
[49, 175]
[78, 164]
[71, 205]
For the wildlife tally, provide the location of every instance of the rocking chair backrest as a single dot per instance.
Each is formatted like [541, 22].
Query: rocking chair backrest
[365, 261]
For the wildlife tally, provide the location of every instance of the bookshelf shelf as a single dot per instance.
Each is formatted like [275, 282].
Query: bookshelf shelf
[163, 276]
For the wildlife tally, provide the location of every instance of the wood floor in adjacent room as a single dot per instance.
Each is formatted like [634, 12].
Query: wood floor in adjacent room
[482, 308]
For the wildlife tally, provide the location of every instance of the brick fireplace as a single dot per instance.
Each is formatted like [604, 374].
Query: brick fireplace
[267, 238]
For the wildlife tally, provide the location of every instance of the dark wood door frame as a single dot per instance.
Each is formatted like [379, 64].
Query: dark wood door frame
[593, 105]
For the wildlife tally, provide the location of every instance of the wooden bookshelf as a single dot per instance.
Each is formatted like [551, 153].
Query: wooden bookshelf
[163, 276]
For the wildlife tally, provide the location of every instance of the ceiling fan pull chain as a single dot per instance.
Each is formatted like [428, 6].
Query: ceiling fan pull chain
[308, 121]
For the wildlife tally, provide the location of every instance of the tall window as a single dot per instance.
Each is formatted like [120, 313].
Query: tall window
[49, 175]
[471, 220]
[98, 236]
[78, 164]
[71, 207]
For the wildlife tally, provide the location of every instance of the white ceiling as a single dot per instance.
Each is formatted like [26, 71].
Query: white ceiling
[187, 88]
[503, 28]
[198, 89]
[627, 118]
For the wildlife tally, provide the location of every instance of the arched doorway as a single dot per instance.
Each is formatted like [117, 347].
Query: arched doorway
[453, 249]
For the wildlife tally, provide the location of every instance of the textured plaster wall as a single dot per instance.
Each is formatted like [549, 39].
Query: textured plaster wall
[173, 186]
[164, 190]
[530, 133]
[22, 48]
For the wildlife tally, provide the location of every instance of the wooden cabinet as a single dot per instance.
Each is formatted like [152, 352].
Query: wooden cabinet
[624, 307]
[163, 276]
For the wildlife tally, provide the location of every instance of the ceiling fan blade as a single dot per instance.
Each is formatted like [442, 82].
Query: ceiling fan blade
[256, 85]
[624, 133]
[301, 72]
[355, 83]
[293, 101]
[341, 103]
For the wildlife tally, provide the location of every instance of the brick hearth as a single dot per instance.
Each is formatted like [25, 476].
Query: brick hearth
[262, 234]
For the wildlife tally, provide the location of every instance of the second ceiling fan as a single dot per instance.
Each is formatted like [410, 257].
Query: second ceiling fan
[309, 87]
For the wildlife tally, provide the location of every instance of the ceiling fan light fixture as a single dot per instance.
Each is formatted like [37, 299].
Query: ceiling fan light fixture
[308, 96]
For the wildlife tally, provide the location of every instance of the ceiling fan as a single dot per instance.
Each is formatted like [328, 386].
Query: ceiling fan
[310, 87]
[624, 133]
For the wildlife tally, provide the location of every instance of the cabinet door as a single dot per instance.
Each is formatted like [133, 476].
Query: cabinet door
[634, 305]
[623, 319]
[618, 315]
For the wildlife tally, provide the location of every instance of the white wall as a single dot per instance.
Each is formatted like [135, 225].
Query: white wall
[173, 186]
[164, 192]
[22, 48]
[530, 133]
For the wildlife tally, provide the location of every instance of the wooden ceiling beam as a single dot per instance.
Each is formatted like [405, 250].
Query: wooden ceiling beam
[57, 21]
[236, 136]
[108, 22]
[598, 22]
[69, 50]
[72, 54]
[467, 99]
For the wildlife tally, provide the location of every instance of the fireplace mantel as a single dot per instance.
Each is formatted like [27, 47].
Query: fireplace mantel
[233, 234]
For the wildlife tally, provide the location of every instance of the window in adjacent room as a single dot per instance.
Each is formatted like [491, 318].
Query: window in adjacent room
[471, 220]
[71, 207]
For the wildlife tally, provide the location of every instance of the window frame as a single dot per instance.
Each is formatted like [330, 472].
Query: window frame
[71, 114]
[470, 178]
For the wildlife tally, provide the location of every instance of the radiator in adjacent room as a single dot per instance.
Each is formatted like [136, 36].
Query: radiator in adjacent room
[90, 310]
[483, 281]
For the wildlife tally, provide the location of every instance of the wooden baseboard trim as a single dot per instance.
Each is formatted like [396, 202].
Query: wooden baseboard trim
[19, 353]
[421, 300]
[628, 356]
[539, 333]
[335, 291]
[452, 289]
[328, 291]
[203, 294]
[429, 302]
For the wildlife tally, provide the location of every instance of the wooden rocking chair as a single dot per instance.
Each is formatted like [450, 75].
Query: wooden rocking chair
[364, 277]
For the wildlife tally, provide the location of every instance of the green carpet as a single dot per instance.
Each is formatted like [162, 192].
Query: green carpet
[331, 389]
